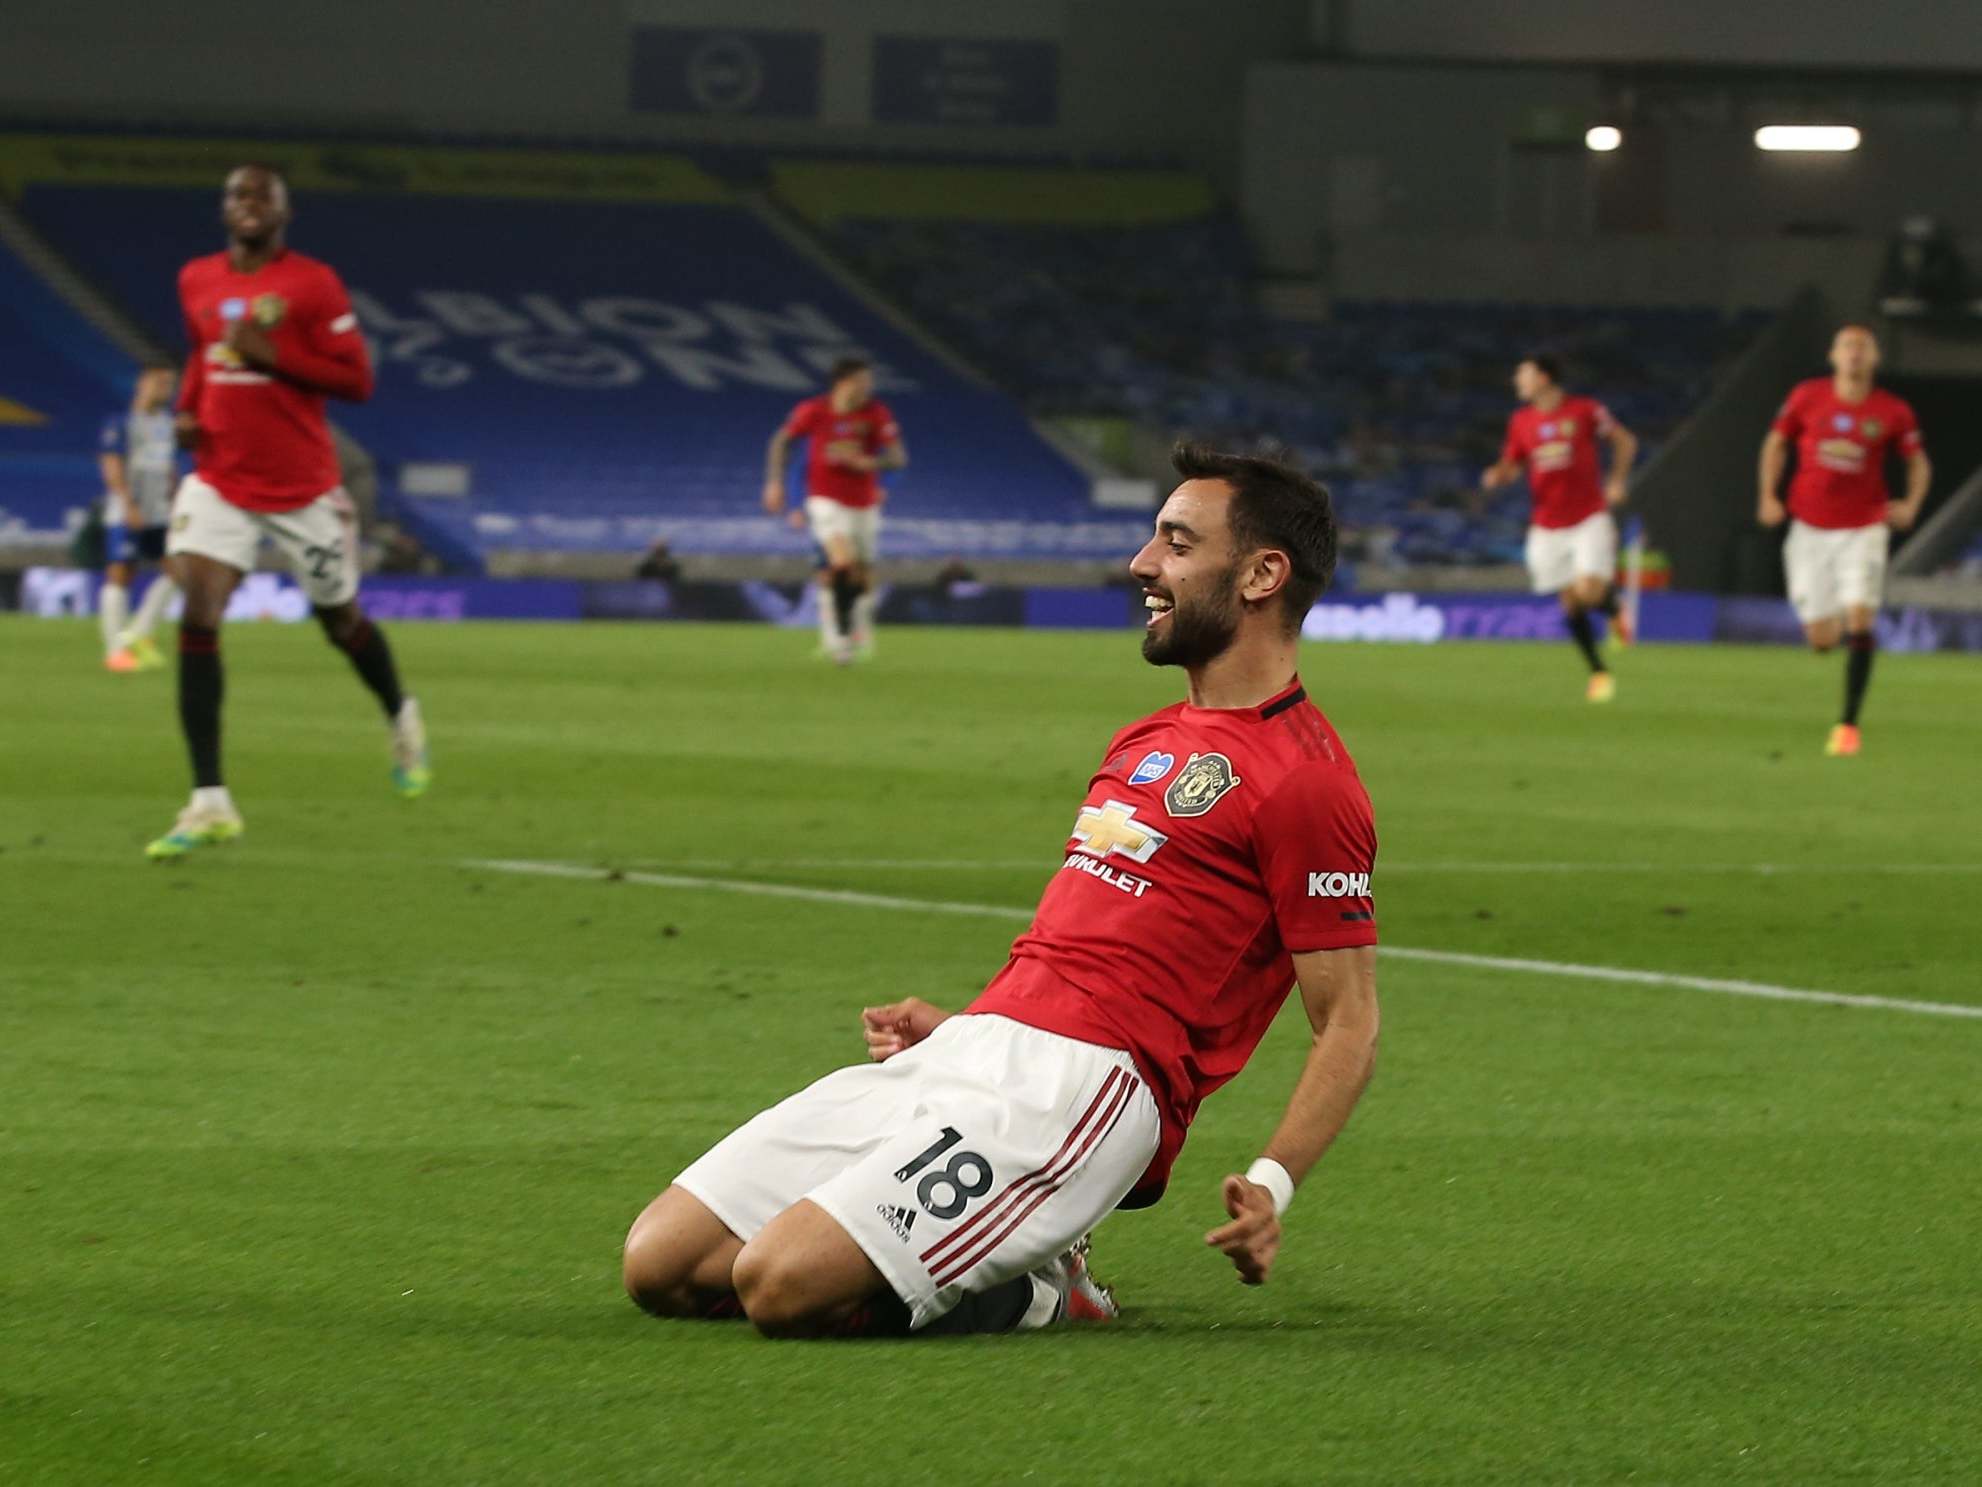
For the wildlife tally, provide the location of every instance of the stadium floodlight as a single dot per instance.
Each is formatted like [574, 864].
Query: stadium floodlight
[1833, 138]
[1603, 138]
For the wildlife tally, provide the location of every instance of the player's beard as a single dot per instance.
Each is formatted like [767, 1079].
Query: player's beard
[1200, 631]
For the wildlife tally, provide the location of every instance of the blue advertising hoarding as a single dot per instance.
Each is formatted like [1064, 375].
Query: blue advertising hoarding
[966, 81]
[1388, 618]
[729, 72]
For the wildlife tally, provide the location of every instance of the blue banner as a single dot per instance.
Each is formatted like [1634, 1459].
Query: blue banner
[734, 73]
[950, 80]
[1394, 618]
[1427, 619]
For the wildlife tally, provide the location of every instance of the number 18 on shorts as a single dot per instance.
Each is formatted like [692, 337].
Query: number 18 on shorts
[979, 1154]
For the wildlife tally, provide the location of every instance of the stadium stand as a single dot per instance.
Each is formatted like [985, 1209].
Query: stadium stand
[1120, 295]
[59, 379]
[597, 374]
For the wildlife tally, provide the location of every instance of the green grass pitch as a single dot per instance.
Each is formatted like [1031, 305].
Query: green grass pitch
[316, 1150]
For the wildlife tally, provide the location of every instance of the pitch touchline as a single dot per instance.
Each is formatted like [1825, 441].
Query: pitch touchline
[1393, 952]
[1034, 864]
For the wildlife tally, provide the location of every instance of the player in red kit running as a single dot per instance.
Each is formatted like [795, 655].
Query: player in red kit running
[272, 335]
[1838, 511]
[1221, 854]
[851, 437]
[1572, 541]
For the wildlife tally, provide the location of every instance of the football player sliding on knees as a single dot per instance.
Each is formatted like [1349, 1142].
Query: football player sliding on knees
[272, 335]
[1218, 857]
[1572, 540]
[1839, 514]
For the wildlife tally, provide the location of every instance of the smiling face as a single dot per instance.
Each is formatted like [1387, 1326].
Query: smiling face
[254, 206]
[1191, 578]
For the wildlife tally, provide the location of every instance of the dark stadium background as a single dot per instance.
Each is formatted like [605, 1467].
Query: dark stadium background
[317, 1151]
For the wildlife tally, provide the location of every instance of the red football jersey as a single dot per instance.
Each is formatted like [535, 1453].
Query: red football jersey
[1840, 478]
[1558, 449]
[1213, 845]
[264, 444]
[868, 429]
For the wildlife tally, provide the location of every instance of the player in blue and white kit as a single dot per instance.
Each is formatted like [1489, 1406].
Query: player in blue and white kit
[139, 458]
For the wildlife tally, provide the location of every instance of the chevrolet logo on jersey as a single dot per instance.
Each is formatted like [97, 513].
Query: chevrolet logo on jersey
[1113, 828]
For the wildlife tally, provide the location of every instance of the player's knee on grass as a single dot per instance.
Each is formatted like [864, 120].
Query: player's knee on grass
[776, 1295]
[1823, 635]
[678, 1259]
[661, 1286]
[803, 1275]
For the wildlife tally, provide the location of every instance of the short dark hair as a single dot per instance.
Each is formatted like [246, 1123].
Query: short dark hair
[1275, 504]
[261, 165]
[845, 367]
[1549, 365]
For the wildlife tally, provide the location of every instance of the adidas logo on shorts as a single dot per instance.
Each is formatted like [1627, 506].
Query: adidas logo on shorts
[899, 1219]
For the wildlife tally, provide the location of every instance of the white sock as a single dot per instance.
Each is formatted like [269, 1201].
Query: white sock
[1044, 1309]
[113, 605]
[214, 798]
[829, 623]
[863, 616]
[151, 609]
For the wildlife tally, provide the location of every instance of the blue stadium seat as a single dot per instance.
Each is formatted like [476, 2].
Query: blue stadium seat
[59, 379]
[609, 372]
[1399, 405]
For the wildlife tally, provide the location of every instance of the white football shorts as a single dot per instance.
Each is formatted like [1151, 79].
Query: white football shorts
[977, 1155]
[1558, 556]
[857, 526]
[1832, 569]
[320, 540]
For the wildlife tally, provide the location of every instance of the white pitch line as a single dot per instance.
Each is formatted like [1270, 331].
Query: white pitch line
[1566, 969]
[756, 890]
[1691, 983]
[1037, 865]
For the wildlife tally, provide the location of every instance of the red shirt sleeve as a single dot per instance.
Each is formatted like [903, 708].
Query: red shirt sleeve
[1511, 452]
[1601, 420]
[798, 423]
[327, 353]
[1789, 418]
[1906, 430]
[1315, 837]
[885, 429]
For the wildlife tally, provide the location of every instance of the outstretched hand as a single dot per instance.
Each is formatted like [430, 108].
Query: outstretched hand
[1252, 1239]
[898, 1025]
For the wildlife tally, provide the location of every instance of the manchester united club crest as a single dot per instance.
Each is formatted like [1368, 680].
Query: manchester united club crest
[1872, 428]
[1204, 780]
[1568, 426]
[269, 310]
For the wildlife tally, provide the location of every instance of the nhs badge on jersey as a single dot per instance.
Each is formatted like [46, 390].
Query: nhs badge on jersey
[1548, 431]
[1841, 422]
[1155, 764]
[233, 309]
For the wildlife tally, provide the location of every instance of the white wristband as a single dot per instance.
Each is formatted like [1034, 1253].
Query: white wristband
[1270, 1175]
